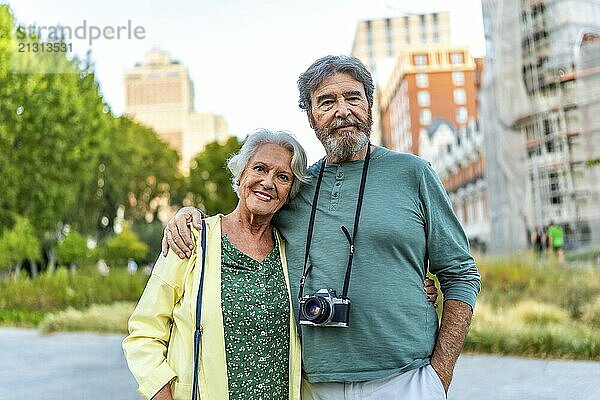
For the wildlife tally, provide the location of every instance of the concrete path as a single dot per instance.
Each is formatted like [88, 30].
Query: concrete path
[84, 366]
[512, 378]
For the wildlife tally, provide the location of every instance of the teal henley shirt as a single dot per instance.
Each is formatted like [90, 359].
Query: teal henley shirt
[407, 225]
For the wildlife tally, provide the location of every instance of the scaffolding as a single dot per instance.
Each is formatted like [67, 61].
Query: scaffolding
[539, 108]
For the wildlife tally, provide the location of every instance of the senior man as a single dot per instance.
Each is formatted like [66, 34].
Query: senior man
[369, 225]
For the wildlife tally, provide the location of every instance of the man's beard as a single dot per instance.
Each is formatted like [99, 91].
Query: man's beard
[344, 144]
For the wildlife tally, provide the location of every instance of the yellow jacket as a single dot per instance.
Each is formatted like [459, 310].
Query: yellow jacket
[159, 348]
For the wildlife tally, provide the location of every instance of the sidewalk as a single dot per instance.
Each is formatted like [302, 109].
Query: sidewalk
[85, 366]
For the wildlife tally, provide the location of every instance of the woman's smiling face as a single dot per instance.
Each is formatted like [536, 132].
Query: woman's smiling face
[267, 179]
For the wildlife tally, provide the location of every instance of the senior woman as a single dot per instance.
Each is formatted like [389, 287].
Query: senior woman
[249, 347]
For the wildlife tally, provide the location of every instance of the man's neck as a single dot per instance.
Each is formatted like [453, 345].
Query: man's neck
[359, 155]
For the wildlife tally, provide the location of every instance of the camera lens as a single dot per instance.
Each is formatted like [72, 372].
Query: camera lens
[316, 310]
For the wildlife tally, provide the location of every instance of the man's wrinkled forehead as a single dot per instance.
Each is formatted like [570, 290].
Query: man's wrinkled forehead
[342, 83]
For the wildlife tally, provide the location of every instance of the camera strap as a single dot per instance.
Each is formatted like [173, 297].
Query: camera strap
[351, 240]
[198, 331]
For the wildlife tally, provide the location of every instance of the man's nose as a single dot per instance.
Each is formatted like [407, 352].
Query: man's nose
[342, 109]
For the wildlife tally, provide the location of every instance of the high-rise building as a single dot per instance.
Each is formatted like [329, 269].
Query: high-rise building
[427, 82]
[160, 95]
[378, 42]
[378, 39]
[540, 114]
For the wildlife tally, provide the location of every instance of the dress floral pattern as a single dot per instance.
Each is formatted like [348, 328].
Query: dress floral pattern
[256, 316]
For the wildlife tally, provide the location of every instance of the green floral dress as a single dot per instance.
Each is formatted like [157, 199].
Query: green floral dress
[256, 320]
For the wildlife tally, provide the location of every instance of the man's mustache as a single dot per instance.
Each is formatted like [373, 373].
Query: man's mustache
[344, 123]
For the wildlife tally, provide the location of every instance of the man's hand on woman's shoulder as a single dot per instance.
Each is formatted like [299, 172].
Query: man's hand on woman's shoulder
[177, 235]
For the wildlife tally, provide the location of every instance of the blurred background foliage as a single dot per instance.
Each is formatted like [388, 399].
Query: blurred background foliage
[538, 308]
[522, 310]
[208, 174]
[73, 173]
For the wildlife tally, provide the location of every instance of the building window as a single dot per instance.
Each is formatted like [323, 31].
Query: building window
[461, 115]
[422, 80]
[420, 59]
[458, 78]
[389, 36]
[423, 98]
[460, 97]
[425, 116]
[555, 197]
[456, 58]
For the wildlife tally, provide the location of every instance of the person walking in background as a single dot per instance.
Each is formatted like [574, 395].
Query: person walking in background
[537, 237]
[386, 217]
[546, 242]
[557, 241]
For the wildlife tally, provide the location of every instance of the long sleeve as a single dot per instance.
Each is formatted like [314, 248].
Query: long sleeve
[150, 325]
[447, 244]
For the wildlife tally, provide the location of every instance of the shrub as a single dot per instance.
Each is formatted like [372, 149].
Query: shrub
[98, 318]
[531, 329]
[19, 244]
[534, 313]
[72, 250]
[124, 246]
[25, 301]
[591, 314]
[509, 281]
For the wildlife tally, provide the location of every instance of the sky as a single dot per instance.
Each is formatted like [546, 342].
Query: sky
[243, 56]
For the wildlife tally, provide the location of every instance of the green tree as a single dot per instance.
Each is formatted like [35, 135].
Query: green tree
[135, 170]
[64, 158]
[208, 186]
[122, 247]
[150, 233]
[19, 244]
[51, 131]
[72, 250]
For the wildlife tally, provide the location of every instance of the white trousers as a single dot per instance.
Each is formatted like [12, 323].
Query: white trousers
[418, 384]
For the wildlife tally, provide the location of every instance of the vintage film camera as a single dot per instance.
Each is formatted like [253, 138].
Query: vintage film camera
[324, 308]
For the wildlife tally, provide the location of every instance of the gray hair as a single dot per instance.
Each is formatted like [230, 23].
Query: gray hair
[327, 66]
[238, 162]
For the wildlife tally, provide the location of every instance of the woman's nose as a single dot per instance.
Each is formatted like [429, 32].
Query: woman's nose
[267, 182]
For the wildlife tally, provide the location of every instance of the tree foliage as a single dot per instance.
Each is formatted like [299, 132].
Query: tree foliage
[64, 158]
[209, 183]
[120, 248]
[135, 170]
[51, 129]
[72, 250]
[19, 244]
[151, 234]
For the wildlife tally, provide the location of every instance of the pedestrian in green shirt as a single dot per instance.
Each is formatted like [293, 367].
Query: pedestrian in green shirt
[557, 241]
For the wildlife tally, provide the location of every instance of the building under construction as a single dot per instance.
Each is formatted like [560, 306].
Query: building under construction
[540, 110]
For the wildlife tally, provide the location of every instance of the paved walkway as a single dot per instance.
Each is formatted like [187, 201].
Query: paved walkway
[85, 366]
